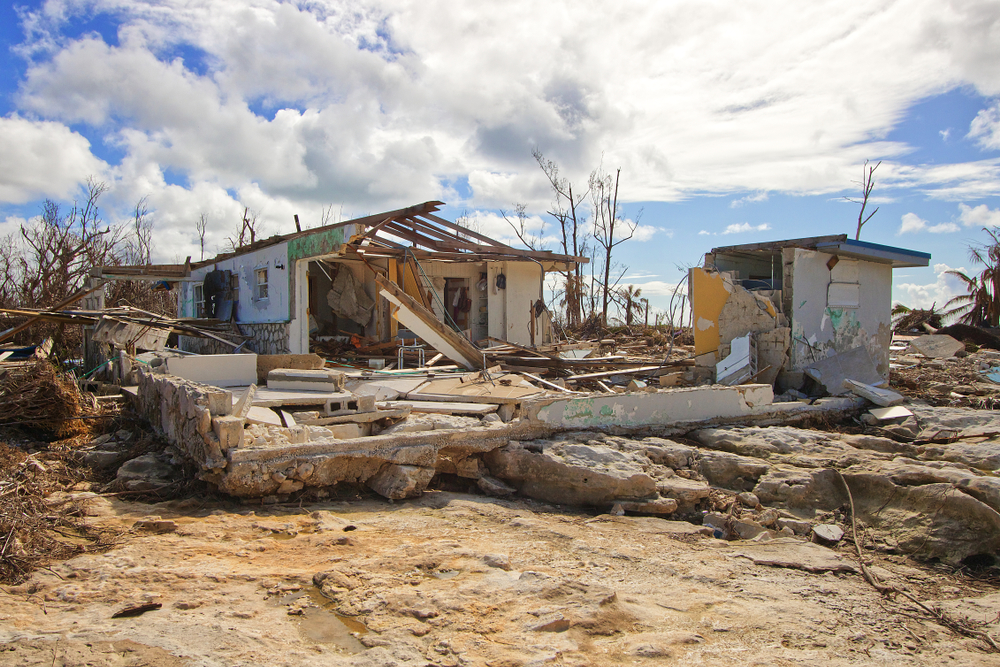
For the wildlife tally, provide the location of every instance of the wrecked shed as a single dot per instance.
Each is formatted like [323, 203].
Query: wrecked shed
[289, 291]
[803, 302]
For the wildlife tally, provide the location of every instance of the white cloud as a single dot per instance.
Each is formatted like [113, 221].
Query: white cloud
[912, 223]
[945, 134]
[381, 103]
[978, 216]
[937, 293]
[749, 199]
[943, 228]
[744, 227]
[42, 159]
[381, 98]
[985, 127]
[645, 233]
[704, 232]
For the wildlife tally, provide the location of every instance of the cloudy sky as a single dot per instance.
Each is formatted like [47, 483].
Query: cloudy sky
[732, 122]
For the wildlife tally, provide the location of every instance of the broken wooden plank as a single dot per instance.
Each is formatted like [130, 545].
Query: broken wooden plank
[425, 324]
[617, 371]
[436, 358]
[546, 383]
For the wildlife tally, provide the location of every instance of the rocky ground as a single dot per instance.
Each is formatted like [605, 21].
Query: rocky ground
[724, 546]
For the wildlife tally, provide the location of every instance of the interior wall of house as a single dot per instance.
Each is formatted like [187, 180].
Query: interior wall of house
[509, 316]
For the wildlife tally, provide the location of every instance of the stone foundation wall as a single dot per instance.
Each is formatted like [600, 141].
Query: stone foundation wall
[266, 338]
[193, 417]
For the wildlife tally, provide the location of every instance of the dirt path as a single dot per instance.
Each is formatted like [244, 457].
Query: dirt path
[453, 579]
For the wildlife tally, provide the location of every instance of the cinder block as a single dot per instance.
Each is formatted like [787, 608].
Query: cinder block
[229, 430]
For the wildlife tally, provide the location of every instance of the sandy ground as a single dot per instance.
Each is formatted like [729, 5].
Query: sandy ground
[454, 579]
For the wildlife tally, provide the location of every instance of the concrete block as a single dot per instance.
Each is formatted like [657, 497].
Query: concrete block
[220, 402]
[217, 370]
[229, 430]
[937, 346]
[881, 397]
[323, 379]
[343, 403]
[268, 362]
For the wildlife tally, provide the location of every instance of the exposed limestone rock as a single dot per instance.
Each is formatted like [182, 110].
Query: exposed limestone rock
[148, 472]
[731, 471]
[798, 488]
[572, 473]
[687, 492]
[400, 481]
[928, 521]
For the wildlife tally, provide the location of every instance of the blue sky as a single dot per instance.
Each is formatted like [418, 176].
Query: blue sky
[732, 122]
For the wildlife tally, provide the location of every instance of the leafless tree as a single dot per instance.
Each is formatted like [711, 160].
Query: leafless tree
[138, 246]
[470, 222]
[611, 228]
[521, 228]
[566, 209]
[867, 183]
[202, 227]
[328, 218]
[249, 228]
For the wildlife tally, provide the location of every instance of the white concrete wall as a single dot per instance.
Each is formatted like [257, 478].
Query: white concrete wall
[509, 317]
[819, 329]
[275, 308]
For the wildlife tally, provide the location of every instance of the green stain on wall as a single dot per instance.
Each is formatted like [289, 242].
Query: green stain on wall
[314, 245]
[606, 411]
[579, 409]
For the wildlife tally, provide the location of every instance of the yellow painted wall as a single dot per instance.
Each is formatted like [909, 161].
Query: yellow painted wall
[709, 293]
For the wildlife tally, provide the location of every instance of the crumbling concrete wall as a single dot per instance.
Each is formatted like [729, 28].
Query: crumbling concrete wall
[837, 305]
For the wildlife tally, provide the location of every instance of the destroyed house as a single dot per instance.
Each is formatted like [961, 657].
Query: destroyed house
[293, 291]
[788, 310]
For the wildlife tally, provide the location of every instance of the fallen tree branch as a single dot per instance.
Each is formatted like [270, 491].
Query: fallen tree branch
[958, 626]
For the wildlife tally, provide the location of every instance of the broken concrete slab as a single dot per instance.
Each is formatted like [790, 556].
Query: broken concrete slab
[268, 362]
[936, 346]
[887, 414]
[244, 401]
[439, 407]
[644, 409]
[218, 370]
[882, 397]
[855, 364]
[324, 379]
